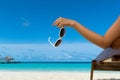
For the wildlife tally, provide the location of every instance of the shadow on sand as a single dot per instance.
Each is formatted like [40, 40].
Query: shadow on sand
[108, 79]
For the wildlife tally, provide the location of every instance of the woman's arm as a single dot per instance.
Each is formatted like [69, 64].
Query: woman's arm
[102, 41]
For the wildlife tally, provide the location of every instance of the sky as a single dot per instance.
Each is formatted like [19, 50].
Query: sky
[29, 22]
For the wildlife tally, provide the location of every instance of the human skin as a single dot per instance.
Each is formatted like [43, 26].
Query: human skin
[110, 39]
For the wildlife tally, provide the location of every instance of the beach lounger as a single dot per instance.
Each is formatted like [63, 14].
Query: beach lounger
[109, 60]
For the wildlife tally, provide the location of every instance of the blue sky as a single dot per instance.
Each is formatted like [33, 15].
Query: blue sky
[30, 22]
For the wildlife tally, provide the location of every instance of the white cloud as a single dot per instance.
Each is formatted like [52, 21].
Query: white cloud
[68, 56]
[25, 22]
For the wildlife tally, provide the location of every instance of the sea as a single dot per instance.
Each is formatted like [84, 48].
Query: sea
[47, 66]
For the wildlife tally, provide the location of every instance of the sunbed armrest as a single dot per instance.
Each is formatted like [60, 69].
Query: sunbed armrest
[107, 53]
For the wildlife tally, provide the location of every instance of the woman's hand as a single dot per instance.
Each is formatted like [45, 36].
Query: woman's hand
[61, 22]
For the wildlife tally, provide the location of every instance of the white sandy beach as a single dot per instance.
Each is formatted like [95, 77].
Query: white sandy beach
[58, 75]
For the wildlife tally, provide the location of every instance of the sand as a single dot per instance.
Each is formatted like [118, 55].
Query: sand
[57, 75]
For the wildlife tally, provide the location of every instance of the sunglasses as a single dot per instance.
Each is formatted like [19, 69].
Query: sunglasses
[59, 40]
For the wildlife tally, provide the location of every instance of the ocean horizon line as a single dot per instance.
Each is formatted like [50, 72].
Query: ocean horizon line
[41, 62]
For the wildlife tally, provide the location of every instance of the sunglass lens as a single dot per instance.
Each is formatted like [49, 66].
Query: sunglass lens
[58, 42]
[62, 32]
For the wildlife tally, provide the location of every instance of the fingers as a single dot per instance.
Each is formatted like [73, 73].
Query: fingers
[61, 22]
[58, 22]
[60, 25]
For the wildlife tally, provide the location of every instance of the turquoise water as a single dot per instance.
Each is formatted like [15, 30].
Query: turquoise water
[47, 66]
